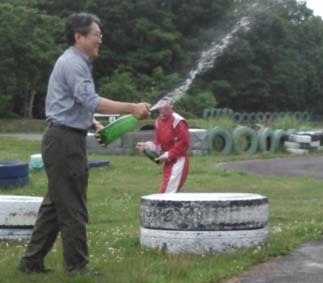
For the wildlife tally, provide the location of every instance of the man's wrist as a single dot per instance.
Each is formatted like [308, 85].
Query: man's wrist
[96, 124]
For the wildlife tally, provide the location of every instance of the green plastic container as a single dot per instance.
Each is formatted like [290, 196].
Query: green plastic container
[118, 128]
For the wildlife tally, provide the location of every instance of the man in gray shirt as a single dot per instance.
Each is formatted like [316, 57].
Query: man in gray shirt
[70, 106]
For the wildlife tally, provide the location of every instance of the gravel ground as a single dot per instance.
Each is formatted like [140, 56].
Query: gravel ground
[304, 264]
[34, 137]
[294, 166]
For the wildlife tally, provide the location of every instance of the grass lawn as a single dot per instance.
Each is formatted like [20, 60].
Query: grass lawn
[114, 193]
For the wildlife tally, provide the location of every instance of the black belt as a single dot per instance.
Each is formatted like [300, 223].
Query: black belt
[56, 125]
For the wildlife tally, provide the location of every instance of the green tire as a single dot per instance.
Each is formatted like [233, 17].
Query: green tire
[219, 140]
[266, 140]
[207, 113]
[260, 117]
[268, 116]
[280, 137]
[252, 117]
[245, 140]
[237, 117]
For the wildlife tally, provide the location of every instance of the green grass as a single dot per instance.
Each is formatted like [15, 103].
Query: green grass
[114, 195]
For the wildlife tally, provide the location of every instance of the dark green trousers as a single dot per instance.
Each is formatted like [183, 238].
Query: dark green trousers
[64, 206]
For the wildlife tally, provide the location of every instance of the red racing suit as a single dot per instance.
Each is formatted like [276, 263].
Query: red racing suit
[172, 137]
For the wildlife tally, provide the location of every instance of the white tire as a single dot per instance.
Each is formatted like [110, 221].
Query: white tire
[315, 144]
[315, 135]
[18, 211]
[201, 242]
[300, 138]
[15, 234]
[288, 144]
[297, 150]
[204, 211]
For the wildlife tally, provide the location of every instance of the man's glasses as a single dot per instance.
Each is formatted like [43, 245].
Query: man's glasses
[97, 34]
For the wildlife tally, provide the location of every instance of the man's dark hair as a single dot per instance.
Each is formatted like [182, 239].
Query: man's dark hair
[81, 23]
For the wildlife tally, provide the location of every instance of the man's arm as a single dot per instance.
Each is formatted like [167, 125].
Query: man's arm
[108, 106]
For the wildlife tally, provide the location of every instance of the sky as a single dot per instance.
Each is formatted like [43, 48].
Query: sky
[316, 6]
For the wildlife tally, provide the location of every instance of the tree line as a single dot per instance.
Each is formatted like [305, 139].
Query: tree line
[151, 45]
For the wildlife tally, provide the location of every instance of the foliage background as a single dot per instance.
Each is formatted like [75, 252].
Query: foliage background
[151, 45]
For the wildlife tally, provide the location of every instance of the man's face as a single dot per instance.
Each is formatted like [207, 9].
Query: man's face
[90, 43]
[165, 111]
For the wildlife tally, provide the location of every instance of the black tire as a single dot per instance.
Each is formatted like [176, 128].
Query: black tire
[245, 140]
[219, 140]
[147, 127]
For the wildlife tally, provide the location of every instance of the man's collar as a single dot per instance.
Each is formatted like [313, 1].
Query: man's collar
[82, 54]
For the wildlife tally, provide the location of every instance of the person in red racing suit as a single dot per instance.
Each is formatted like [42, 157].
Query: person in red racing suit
[171, 142]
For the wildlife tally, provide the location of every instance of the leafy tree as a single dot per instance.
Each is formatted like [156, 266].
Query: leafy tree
[151, 45]
[201, 99]
[27, 52]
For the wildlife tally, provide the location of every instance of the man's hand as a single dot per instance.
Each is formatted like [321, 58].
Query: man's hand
[98, 127]
[141, 110]
[141, 146]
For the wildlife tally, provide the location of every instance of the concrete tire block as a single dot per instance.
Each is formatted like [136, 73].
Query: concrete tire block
[204, 211]
[19, 211]
[15, 234]
[300, 138]
[201, 242]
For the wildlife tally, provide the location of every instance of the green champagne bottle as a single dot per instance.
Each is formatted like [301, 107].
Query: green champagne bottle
[151, 155]
[117, 128]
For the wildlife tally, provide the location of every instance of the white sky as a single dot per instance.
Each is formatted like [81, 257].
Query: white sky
[316, 6]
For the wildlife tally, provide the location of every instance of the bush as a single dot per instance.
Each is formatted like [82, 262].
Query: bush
[290, 122]
[200, 100]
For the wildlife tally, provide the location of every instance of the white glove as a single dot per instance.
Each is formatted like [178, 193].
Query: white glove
[163, 157]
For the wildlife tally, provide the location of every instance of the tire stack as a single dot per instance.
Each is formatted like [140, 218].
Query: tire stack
[13, 174]
[18, 216]
[203, 223]
[303, 142]
[219, 139]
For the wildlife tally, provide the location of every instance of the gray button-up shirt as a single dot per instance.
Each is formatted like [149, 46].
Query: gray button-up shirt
[71, 98]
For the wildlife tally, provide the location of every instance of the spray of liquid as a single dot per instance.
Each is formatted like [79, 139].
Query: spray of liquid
[205, 62]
